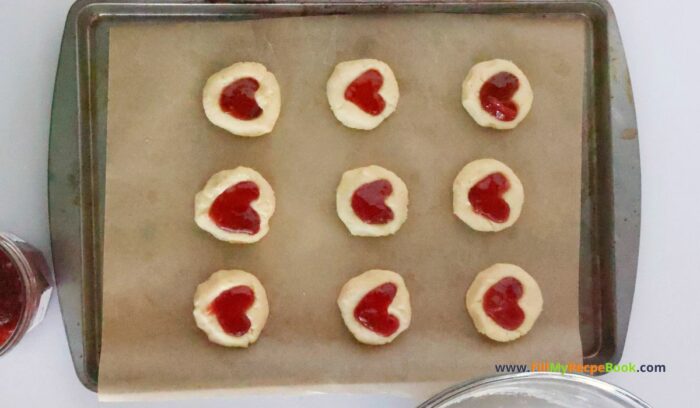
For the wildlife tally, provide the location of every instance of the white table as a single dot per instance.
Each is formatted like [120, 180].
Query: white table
[661, 40]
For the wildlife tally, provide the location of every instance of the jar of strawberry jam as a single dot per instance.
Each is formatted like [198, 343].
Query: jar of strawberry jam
[24, 289]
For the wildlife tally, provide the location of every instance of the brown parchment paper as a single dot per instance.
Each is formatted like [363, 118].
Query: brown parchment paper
[161, 151]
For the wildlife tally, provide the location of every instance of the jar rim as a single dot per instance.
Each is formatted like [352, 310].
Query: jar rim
[14, 252]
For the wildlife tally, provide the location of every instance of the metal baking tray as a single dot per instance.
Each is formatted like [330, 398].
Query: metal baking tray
[611, 192]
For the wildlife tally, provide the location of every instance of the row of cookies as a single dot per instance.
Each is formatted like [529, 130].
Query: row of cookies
[504, 302]
[245, 98]
[236, 205]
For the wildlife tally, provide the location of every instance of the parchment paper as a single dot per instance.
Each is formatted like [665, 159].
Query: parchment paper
[162, 149]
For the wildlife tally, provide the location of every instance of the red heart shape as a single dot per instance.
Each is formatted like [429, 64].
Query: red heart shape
[238, 99]
[372, 310]
[231, 211]
[230, 308]
[486, 197]
[501, 303]
[368, 202]
[364, 92]
[496, 94]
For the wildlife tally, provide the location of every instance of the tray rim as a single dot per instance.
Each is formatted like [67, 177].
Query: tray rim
[73, 185]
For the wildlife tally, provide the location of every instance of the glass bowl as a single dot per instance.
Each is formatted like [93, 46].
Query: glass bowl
[535, 390]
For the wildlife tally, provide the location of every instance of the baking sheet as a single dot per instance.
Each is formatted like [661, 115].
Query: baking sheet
[161, 150]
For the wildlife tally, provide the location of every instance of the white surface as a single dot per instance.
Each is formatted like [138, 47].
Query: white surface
[664, 56]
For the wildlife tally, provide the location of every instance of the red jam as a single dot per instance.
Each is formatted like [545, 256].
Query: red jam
[238, 99]
[230, 309]
[231, 211]
[11, 297]
[25, 289]
[486, 197]
[372, 311]
[501, 303]
[496, 94]
[368, 202]
[364, 92]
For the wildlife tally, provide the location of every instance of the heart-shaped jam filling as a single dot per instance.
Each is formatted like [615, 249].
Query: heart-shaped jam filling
[372, 310]
[364, 92]
[486, 197]
[501, 303]
[231, 211]
[496, 94]
[238, 99]
[368, 202]
[230, 309]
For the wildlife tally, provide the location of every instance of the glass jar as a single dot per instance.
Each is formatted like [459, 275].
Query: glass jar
[25, 289]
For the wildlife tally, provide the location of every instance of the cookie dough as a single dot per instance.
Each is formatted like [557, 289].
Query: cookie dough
[243, 99]
[362, 93]
[231, 308]
[235, 206]
[483, 175]
[375, 306]
[372, 201]
[497, 94]
[501, 277]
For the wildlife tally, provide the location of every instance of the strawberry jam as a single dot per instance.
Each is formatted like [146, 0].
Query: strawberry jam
[501, 303]
[11, 297]
[372, 310]
[232, 211]
[25, 289]
[496, 94]
[230, 309]
[368, 202]
[364, 92]
[238, 99]
[486, 197]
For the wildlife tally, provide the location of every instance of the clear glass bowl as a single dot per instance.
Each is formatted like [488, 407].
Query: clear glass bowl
[535, 390]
